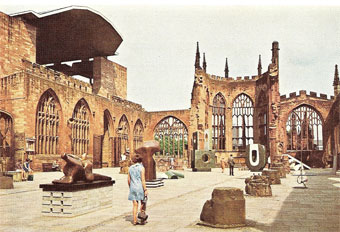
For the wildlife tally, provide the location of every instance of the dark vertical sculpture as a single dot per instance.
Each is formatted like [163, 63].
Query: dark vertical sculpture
[147, 150]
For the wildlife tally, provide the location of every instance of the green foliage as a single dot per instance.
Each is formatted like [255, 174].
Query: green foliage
[170, 146]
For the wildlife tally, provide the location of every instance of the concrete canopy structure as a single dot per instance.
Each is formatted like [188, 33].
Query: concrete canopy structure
[72, 33]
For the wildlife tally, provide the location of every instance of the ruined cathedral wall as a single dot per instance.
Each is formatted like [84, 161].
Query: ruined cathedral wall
[155, 117]
[17, 42]
[322, 104]
[206, 87]
[21, 93]
[332, 126]
[110, 78]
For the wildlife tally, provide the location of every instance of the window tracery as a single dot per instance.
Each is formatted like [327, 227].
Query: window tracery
[47, 125]
[172, 135]
[242, 119]
[218, 122]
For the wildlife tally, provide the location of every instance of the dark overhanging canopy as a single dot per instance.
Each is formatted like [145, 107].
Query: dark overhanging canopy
[72, 33]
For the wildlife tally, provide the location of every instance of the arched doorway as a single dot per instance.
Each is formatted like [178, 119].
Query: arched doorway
[107, 150]
[138, 132]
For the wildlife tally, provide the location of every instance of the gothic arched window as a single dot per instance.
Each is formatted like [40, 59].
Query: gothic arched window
[304, 129]
[262, 118]
[6, 134]
[138, 134]
[218, 122]
[80, 128]
[172, 135]
[47, 124]
[123, 133]
[242, 119]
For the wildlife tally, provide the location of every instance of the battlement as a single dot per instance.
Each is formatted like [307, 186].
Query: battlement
[245, 78]
[8, 81]
[50, 74]
[127, 103]
[303, 93]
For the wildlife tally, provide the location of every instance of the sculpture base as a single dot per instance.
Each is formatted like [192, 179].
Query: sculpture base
[202, 223]
[70, 200]
[156, 183]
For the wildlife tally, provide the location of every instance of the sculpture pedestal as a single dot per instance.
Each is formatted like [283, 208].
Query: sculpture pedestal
[70, 200]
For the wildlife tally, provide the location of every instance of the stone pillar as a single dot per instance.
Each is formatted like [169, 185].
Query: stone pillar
[225, 209]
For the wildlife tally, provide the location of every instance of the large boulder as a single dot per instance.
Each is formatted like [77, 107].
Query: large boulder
[225, 209]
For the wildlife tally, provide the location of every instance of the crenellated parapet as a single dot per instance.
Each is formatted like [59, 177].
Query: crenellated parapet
[55, 76]
[127, 103]
[303, 94]
[8, 81]
[245, 78]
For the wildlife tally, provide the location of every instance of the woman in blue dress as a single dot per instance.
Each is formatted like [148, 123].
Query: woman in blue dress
[136, 181]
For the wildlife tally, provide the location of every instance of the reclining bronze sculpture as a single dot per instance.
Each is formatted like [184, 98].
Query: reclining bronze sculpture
[77, 169]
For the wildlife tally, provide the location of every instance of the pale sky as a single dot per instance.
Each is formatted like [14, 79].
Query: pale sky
[159, 43]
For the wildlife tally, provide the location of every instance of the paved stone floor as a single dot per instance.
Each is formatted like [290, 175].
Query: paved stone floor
[177, 205]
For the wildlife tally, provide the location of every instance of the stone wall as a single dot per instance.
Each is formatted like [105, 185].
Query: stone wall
[17, 42]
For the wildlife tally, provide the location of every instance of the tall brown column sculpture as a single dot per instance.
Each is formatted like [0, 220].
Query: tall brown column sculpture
[147, 150]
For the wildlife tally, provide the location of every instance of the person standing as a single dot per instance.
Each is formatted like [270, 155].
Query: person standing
[231, 165]
[222, 165]
[27, 169]
[136, 182]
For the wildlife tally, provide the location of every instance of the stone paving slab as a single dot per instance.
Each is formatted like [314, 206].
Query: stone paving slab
[177, 205]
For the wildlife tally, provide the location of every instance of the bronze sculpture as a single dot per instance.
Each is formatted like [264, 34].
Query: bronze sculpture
[77, 169]
[147, 150]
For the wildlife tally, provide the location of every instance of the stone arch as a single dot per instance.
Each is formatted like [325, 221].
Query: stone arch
[123, 132]
[218, 122]
[107, 139]
[80, 127]
[242, 121]
[6, 141]
[108, 123]
[48, 123]
[138, 132]
[304, 129]
[172, 135]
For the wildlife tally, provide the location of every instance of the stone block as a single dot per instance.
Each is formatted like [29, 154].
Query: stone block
[6, 182]
[273, 176]
[225, 209]
[258, 186]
